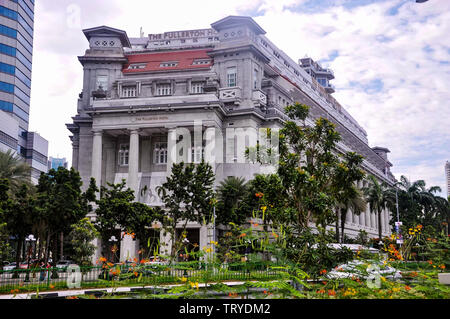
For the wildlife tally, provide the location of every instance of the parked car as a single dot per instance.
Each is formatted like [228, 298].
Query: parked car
[358, 269]
[63, 264]
[8, 266]
[23, 265]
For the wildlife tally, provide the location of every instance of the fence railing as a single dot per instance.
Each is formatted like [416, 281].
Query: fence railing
[43, 279]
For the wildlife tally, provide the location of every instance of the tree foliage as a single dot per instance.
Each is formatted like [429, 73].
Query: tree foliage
[188, 196]
[314, 177]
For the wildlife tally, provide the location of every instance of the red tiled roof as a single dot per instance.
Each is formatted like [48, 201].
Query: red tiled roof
[153, 61]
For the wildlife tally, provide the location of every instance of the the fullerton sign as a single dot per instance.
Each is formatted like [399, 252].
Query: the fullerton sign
[183, 34]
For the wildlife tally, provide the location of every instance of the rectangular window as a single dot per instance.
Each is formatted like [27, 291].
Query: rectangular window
[124, 154]
[12, 33]
[102, 82]
[164, 89]
[128, 91]
[255, 79]
[197, 87]
[137, 66]
[196, 154]
[168, 64]
[6, 49]
[160, 153]
[231, 77]
[6, 87]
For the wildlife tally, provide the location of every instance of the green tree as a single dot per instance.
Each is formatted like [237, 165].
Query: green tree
[140, 222]
[19, 217]
[82, 234]
[117, 210]
[231, 194]
[421, 205]
[348, 196]
[15, 170]
[62, 203]
[187, 195]
[310, 169]
[114, 207]
[378, 195]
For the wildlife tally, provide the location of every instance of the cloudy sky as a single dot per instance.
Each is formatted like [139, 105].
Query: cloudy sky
[391, 60]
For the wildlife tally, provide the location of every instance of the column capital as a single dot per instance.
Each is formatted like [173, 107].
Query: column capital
[134, 131]
[97, 132]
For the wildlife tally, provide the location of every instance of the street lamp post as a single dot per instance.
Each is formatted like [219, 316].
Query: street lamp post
[29, 240]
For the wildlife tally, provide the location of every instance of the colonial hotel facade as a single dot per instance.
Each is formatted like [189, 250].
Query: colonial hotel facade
[140, 93]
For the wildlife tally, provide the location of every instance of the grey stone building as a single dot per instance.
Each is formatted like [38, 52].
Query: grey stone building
[214, 87]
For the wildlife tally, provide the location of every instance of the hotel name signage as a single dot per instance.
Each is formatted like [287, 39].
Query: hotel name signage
[183, 34]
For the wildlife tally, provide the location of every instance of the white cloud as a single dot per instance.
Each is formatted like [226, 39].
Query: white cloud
[408, 51]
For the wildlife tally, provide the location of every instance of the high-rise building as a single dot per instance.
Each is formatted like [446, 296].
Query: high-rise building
[16, 52]
[447, 174]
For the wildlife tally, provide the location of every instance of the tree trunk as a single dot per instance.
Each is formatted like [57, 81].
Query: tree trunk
[20, 239]
[61, 247]
[379, 224]
[343, 218]
[47, 245]
[338, 238]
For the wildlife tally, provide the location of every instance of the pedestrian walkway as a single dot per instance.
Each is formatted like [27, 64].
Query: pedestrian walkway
[95, 291]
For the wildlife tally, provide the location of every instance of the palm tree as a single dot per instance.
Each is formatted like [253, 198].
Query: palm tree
[353, 200]
[230, 193]
[15, 170]
[422, 205]
[378, 195]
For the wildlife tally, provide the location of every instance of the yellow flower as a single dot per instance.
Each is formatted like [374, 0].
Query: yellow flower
[264, 208]
[382, 278]
[395, 289]
[194, 284]
[183, 279]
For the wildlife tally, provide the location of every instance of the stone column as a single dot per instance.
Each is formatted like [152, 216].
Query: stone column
[382, 221]
[96, 171]
[171, 149]
[127, 248]
[133, 162]
[387, 220]
[349, 217]
[362, 216]
[355, 219]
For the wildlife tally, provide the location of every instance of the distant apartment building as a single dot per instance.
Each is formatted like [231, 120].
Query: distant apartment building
[55, 163]
[16, 52]
[447, 174]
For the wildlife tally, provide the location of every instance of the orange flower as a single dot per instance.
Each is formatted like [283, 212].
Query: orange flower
[321, 291]
[242, 235]
[407, 287]
[136, 273]
[430, 262]
[331, 292]
[259, 195]
[323, 272]
[51, 286]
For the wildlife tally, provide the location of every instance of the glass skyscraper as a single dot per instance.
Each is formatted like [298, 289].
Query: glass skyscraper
[16, 52]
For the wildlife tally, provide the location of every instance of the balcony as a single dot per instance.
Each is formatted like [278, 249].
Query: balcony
[259, 98]
[230, 94]
[330, 88]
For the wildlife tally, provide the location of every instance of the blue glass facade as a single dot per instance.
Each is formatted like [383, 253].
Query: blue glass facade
[16, 22]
